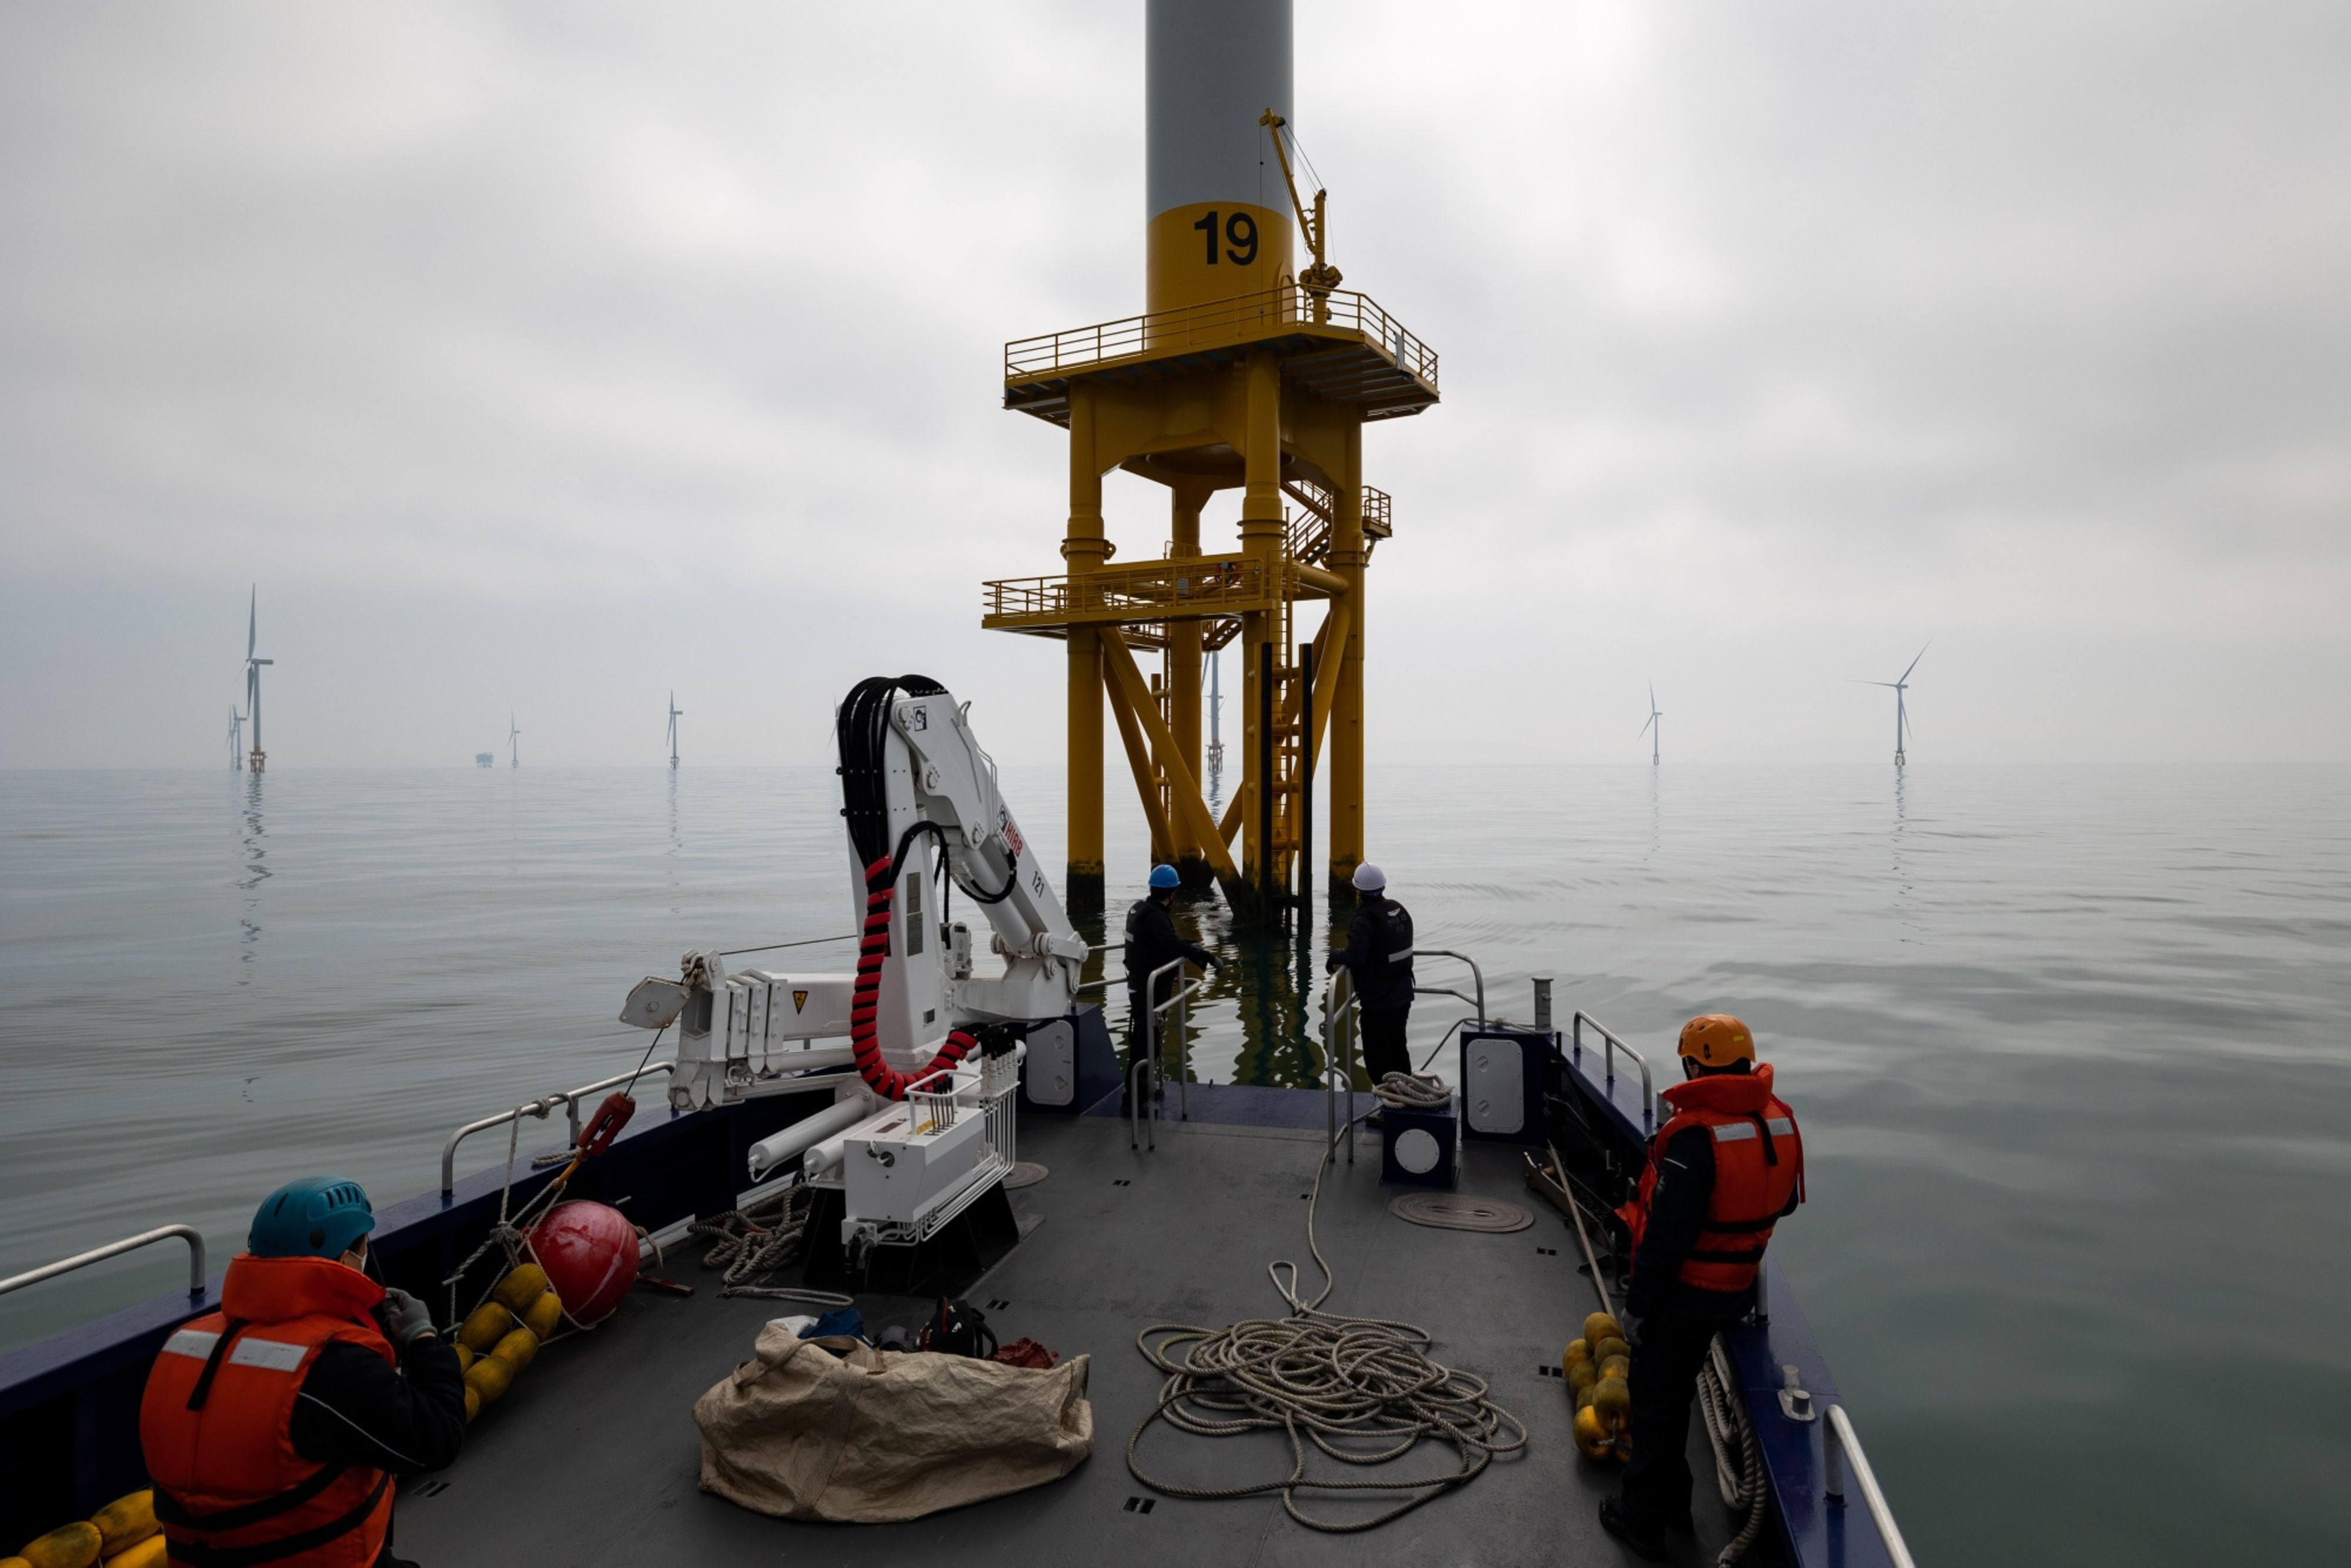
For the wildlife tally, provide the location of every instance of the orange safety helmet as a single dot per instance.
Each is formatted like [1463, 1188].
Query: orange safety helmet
[1716, 1039]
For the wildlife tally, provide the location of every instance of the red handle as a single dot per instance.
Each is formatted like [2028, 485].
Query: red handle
[605, 1126]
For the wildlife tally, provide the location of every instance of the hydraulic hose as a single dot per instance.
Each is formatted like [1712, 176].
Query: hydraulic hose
[862, 730]
[865, 997]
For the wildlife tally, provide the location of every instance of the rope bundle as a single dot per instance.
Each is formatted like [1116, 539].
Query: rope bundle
[1412, 1091]
[1726, 1419]
[752, 1241]
[1363, 1391]
[758, 1237]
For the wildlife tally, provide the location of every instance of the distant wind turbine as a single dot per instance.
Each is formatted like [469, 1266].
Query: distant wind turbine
[256, 759]
[235, 740]
[1901, 707]
[1654, 729]
[676, 713]
[1216, 728]
[514, 738]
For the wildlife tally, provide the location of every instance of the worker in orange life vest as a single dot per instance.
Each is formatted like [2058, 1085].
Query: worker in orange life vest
[273, 1428]
[1723, 1170]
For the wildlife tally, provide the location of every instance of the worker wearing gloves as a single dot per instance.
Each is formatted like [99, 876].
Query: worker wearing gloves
[1379, 955]
[1152, 943]
[1722, 1171]
[274, 1428]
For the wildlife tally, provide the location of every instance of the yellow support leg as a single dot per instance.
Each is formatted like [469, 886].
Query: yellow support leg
[1183, 788]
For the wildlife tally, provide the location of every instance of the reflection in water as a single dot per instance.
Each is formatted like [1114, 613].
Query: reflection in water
[1274, 986]
[254, 871]
[675, 852]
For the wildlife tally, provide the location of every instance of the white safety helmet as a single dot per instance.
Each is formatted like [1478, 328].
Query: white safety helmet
[1370, 878]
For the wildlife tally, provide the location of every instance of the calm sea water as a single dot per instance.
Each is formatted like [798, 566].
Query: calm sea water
[2070, 1048]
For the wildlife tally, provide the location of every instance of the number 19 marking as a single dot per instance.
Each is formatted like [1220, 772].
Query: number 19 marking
[1239, 233]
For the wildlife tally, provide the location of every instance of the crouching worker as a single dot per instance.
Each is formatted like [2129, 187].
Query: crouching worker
[274, 1428]
[1723, 1171]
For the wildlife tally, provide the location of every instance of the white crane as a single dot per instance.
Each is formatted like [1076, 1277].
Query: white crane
[1653, 729]
[924, 812]
[676, 713]
[1901, 686]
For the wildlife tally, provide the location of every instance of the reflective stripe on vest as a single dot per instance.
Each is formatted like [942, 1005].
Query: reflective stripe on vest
[1758, 1170]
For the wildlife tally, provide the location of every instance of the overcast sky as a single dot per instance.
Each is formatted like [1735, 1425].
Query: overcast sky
[544, 357]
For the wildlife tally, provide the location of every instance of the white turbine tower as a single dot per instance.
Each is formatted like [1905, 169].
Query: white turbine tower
[1653, 729]
[1901, 706]
[235, 740]
[1215, 731]
[257, 758]
[676, 713]
[514, 738]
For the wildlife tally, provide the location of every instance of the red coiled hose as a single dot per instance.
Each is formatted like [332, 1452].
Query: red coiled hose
[865, 999]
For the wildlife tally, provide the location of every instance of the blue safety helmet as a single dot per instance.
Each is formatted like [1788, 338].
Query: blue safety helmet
[1165, 877]
[318, 1216]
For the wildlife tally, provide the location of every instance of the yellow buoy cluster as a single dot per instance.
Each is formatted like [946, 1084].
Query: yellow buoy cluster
[499, 1337]
[123, 1534]
[1597, 1367]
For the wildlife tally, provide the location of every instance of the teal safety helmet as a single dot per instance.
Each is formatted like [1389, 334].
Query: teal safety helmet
[1165, 877]
[318, 1216]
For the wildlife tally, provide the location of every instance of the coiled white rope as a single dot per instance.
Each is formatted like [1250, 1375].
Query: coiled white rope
[1362, 1390]
[1726, 1419]
[1412, 1091]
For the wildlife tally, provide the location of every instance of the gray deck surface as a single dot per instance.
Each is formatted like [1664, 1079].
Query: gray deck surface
[593, 1458]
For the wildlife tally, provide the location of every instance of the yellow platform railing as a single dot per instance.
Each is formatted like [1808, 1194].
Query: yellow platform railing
[1153, 589]
[1219, 323]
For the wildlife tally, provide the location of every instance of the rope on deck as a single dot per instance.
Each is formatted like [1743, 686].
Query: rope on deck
[1726, 1418]
[1362, 1390]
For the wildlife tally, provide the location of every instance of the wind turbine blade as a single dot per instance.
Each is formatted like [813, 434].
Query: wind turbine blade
[253, 623]
[1644, 728]
[1922, 653]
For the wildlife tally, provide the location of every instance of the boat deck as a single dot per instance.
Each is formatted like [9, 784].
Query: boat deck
[593, 1458]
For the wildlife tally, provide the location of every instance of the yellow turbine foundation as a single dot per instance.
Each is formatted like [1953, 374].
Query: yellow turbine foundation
[1243, 373]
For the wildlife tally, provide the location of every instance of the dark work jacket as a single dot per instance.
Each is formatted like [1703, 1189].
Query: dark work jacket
[1379, 951]
[352, 1409]
[1677, 1215]
[1151, 940]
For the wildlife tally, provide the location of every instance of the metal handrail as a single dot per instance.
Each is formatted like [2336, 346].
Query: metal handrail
[187, 1233]
[569, 1099]
[1215, 323]
[1839, 1444]
[1479, 1001]
[1143, 1108]
[1335, 1072]
[1608, 1055]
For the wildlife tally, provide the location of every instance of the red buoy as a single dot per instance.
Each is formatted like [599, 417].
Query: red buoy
[589, 1253]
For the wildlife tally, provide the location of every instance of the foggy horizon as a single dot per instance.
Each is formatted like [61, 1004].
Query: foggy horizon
[549, 362]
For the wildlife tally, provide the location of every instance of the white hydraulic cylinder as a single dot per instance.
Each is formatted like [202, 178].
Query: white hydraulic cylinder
[777, 1148]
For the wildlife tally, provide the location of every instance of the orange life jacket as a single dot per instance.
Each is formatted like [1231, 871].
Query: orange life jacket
[1758, 1165]
[216, 1424]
